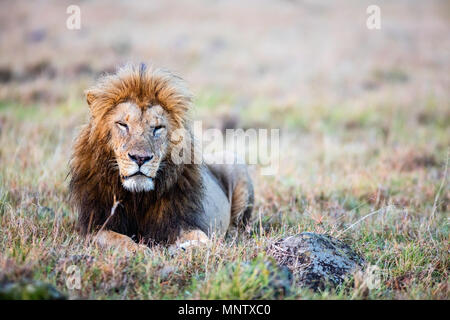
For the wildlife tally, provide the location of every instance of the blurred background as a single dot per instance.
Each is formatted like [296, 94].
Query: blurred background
[296, 53]
[310, 68]
[364, 114]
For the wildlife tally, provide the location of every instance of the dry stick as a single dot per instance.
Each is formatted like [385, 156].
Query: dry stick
[260, 223]
[206, 263]
[113, 210]
[363, 218]
[436, 198]
[88, 232]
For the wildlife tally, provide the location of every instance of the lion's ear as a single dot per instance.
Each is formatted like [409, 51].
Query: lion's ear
[90, 97]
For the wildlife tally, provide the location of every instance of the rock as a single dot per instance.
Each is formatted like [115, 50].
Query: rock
[29, 290]
[316, 260]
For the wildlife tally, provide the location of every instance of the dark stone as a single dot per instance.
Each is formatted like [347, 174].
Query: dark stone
[316, 260]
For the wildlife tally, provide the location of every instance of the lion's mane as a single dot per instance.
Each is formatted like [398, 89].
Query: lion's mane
[156, 216]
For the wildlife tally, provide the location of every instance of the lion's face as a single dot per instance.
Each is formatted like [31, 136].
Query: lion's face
[139, 139]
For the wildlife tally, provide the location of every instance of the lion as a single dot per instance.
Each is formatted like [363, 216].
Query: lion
[126, 188]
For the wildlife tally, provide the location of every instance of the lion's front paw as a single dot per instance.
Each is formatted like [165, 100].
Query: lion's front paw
[139, 248]
[185, 246]
[192, 243]
[120, 242]
[189, 240]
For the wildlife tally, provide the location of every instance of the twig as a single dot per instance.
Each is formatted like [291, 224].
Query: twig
[438, 193]
[113, 210]
[363, 218]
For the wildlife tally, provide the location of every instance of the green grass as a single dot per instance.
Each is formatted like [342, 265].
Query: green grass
[321, 187]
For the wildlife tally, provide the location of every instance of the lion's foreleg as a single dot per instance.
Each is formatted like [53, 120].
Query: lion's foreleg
[110, 239]
[191, 238]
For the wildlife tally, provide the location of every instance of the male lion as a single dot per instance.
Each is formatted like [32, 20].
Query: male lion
[124, 183]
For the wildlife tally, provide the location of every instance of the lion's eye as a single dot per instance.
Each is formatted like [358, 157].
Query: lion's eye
[122, 126]
[158, 130]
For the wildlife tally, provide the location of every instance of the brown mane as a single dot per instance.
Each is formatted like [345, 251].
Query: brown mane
[156, 216]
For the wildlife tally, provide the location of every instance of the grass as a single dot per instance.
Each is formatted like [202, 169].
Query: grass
[385, 194]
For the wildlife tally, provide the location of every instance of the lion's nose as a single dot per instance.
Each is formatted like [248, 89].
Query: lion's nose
[140, 159]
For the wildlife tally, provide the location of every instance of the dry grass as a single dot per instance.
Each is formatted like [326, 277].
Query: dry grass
[365, 130]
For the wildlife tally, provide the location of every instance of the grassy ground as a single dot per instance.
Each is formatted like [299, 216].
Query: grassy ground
[358, 172]
[364, 152]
